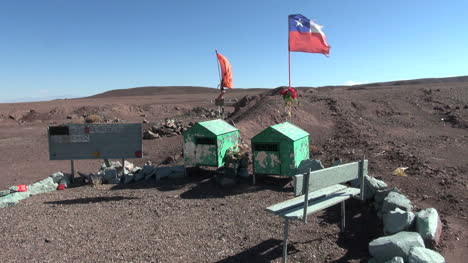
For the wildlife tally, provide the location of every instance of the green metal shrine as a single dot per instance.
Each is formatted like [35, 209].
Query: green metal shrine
[279, 149]
[205, 143]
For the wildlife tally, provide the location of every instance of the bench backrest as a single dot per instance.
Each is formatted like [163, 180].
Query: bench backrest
[330, 176]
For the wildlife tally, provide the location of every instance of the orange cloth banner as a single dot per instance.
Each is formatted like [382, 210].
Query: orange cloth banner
[226, 71]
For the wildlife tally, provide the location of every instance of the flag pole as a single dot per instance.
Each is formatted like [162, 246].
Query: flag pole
[289, 67]
[219, 72]
[289, 59]
[220, 112]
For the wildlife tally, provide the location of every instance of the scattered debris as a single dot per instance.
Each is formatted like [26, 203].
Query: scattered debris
[168, 128]
[400, 171]
[93, 118]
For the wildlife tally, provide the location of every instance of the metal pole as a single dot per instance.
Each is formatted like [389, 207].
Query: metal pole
[123, 166]
[285, 240]
[343, 216]
[72, 164]
[361, 176]
[289, 68]
[306, 195]
[289, 58]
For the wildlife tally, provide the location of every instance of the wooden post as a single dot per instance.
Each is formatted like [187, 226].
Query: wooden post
[306, 195]
[285, 240]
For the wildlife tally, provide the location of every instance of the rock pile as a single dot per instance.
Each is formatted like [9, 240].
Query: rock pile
[168, 128]
[408, 233]
[12, 196]
[113, 174]
[203, 112]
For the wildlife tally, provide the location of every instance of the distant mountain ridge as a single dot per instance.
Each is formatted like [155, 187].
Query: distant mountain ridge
[161, 90]
[165, 90]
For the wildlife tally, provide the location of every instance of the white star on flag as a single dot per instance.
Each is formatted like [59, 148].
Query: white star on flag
[299, 22]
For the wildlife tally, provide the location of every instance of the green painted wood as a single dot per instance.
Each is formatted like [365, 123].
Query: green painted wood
[297, 212]
[290, 130]
[196, 154]
[293, 147]
[218, 127]
[328, 176]
[299, 201]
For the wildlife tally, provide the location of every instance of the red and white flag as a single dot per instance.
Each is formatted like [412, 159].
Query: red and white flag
[306, 36]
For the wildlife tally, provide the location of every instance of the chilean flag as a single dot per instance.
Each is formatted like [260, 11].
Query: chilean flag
[306, 36]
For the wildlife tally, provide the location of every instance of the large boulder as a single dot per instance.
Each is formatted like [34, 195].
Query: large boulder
[429, 226]
[43, 186]
[397, 220]
[371, 186]
[397, 245]
[424, 255]
[396, 200]
[311, 164]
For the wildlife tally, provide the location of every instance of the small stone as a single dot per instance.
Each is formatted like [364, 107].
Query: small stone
[424, 255]
[145, 121]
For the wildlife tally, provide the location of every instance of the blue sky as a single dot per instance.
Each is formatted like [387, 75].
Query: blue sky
[74, 48]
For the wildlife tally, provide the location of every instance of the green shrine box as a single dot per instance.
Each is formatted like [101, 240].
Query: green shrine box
[205, 143]
[279, 149]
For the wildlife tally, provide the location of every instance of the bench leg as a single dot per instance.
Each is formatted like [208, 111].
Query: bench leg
[285, 240]
[343, 216]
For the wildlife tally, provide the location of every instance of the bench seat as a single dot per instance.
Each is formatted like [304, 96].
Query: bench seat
[318, 200]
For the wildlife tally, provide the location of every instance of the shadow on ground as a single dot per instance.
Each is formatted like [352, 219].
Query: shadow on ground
[207, 188]
[361, 227]
[201, 184]
[90, 200]
[266, 251]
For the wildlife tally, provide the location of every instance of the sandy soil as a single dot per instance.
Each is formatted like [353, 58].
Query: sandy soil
[422, 125]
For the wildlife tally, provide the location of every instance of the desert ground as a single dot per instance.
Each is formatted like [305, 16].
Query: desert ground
[419, 124]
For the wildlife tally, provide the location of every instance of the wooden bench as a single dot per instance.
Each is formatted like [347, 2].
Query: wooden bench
[320, 189]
